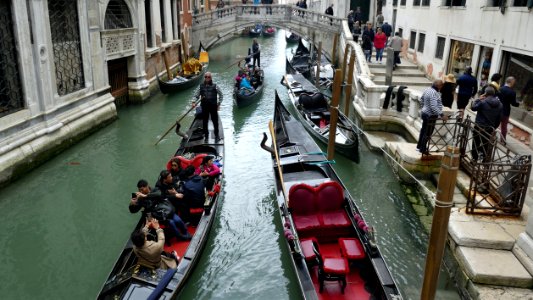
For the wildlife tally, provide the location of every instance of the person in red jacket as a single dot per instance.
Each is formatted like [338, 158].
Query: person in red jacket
[379, 43]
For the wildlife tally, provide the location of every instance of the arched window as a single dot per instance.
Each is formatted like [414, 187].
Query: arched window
[117, 15]
[65, 29]
[10, 85]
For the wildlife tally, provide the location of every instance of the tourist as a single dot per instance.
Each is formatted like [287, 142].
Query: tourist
[489, 110]
[208, 170]
[431, 111]
[508, 98]
[350, 20]
[368, 31]
[380, 39]
[208, 92]
[171, 191]
[159, 208]
[256, 52]
[357, 15]
[379, 20]
[220, 6]
[149, 252]
[256, 3]
[396, 45]
[193, 188]
[329, 11]
[387, 29]
[448, 90]
[367, 47]
[467, 89]
[356, 31]
[246, 86]
[496, 77]
[175, 170]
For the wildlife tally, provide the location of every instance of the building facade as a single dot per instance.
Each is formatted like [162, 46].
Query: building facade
[67, 63]
[491, 36]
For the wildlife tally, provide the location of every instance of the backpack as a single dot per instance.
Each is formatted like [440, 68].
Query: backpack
[163, 210]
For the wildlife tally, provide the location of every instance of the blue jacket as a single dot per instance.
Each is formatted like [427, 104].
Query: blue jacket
[194, 191]
[467, 85]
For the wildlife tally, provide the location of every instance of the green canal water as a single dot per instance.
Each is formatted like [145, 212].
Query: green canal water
[64, 224]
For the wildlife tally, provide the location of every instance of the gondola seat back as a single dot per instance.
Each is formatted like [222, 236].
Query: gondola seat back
[330, 203]
[184, 162]
[303, 207]
[319, 211]
[316, 101]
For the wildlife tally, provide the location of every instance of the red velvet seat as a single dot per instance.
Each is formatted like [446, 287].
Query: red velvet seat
[336, 265]
[307, 250]
[351, 248]
[330, 203]
[303, 207]
[337, 218]
[184, 163]
[196, 211]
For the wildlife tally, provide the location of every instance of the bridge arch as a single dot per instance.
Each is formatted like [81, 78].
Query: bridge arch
[215, 26]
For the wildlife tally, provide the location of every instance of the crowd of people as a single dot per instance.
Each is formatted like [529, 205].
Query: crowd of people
[176, 191]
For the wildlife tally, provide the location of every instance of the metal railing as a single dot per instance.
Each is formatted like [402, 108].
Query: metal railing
[498, 176]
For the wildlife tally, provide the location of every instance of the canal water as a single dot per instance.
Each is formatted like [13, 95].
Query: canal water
[65, 223]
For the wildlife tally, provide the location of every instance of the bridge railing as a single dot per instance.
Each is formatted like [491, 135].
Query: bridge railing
[262, 13]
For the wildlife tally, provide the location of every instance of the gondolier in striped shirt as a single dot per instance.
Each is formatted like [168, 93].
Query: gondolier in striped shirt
[431, 110]
[208, 92]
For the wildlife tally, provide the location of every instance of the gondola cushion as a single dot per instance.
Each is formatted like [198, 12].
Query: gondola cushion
[337, 218]
[184, 163]
[336, 265]
[351, 248]
[306, 223]
[313, 102]
[302, 199]
[196, 211]
[307, 248]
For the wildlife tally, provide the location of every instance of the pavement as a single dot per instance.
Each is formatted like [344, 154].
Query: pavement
[483, 255]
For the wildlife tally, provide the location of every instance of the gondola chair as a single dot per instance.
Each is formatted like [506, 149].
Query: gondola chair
[331, 269]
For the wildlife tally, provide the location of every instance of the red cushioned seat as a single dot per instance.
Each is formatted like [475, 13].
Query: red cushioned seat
[304, 223]
[196, 211]
[303, 207]
[337, 218]
[307, 249]
[351, 248]
[336, 265]
[330, 196]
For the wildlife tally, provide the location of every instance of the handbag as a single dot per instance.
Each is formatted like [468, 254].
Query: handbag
[163, 210]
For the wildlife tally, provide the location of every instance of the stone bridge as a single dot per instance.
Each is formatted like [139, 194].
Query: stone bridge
[217, 25]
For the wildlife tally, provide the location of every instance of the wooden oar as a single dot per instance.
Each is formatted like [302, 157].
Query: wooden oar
[285, 196]
[248, 56]
[177, 122]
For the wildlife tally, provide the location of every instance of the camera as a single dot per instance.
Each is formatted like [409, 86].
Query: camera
[133, 195]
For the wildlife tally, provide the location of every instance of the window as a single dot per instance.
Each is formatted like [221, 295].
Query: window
[439, 53]
[11, 99]
[425, 2]
[412, 40]
[497, 3]
[421, 42]
[400, 30]
[162, 15]
[148, 22]
[402, 2]
[117, 15]
[66, 44]
[520, 3]
[454, 2]
[395, 2]
[416, 2]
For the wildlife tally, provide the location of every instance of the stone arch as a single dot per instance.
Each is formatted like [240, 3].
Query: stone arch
[118, 15]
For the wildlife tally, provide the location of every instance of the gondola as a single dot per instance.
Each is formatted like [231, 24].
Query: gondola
[333, 249]
[300, 62]
[312, 109]
[291, 38]
[244, 98]
[192, 72]
[256, 30]
[128, 280]
[269, 31]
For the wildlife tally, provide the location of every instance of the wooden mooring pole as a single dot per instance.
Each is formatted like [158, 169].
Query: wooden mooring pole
[319, 58]
[349, 88]
[334, 113]
[439, 226]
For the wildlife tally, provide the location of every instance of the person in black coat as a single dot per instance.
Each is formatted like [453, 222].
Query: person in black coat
[489, 109]
[448, 91]
[369, 32]
[467, 88]
[508, 98]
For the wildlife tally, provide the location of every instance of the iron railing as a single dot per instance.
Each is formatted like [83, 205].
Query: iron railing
[498, 176]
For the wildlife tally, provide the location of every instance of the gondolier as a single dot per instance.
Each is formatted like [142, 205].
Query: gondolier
[208, 92]
[256, 50]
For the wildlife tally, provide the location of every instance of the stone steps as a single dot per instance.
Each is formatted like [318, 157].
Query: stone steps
[400, 71]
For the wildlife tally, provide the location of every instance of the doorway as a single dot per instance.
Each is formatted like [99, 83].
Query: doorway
[117, 70]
